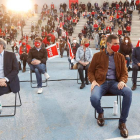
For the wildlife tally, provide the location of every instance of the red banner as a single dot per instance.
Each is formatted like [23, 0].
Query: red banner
[70, 51]
[72, 1]
[52, 51]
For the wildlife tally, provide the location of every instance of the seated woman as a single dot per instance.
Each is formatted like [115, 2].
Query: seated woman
[83, 57]
[23, 51]
[126, 49]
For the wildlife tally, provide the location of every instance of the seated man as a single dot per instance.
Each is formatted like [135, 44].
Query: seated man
[9, 81]
[37, 58]
[135, 65]
[108, 74]
[83, 57]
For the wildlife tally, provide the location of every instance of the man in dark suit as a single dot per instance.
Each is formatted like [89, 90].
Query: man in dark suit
[9, 81]
[135, 65]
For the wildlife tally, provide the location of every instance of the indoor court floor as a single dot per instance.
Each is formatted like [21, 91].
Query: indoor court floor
[63, 111]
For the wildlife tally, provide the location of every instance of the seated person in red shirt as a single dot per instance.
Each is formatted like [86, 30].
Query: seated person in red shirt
[37, 61]
[120, 31]
[23, 51]
[128, 29]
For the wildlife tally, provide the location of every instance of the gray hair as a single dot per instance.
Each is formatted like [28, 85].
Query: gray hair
[3, 42]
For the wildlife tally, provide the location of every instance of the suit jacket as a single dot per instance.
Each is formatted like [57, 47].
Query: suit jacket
[136, 56]
[11, 71]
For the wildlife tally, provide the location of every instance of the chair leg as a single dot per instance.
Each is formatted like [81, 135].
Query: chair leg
[13, 106]
[112, 107]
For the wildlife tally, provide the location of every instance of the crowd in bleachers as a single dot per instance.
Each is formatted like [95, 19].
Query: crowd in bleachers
[109, 18]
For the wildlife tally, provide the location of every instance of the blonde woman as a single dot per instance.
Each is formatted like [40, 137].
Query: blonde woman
[83, 57]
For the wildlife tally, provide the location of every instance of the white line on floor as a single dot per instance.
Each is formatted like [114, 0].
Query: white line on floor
[129, 138]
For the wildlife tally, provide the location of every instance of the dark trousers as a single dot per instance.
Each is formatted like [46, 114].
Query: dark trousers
[5, 90]
[14, 48]
[135, 69]
[112, 87]
[23, 57]
[62, 51]
[80, 70]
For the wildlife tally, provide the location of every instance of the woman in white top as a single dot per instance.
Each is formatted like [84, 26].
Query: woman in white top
[83, 57]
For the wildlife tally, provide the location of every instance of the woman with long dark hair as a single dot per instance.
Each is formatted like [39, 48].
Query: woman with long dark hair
[126, 49]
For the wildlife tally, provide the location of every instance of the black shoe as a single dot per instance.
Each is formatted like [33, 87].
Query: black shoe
[123, 130]
[87, 82]
[100, 119]
[82, 86]
[129, 69]
[134, 86]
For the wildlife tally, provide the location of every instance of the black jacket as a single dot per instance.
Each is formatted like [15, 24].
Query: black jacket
[39, 55]
[136, 56]
[11, 71]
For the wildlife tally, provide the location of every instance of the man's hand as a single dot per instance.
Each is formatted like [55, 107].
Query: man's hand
[121, 85]
[35, 62]
[139, 64]
[94, 83]
[3, 82]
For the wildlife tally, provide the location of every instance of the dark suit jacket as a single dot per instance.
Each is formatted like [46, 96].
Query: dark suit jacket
[11, 71]
[136, 56]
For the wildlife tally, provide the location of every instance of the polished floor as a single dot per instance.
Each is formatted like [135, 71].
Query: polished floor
[63, 111]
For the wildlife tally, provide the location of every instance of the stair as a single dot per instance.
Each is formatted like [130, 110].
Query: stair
[135, 28]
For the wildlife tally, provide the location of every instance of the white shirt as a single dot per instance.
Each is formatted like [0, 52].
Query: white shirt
[1, 65]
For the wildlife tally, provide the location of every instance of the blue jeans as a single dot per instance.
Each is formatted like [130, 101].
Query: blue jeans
[39, 69]
[128, 61]
[111, 87]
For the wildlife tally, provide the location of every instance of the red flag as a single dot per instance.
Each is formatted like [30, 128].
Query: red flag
[138, 43]
[52, 51]
[70, 51]
[57, 45]
[125, 9]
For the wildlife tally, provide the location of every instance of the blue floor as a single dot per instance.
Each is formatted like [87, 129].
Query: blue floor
[63, 111]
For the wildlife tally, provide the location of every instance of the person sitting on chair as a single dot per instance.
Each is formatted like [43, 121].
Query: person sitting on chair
[23, 51]
[108, 74]
[37, 58]
[135, 65]
[9, 81]
[83, 57]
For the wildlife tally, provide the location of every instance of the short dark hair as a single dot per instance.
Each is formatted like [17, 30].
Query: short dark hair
[110, 37]
[38, 38]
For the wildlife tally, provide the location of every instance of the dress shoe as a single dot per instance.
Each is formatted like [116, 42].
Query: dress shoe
[82, 86]
[100, 119]
[24, 69]
[87, 82]
[123, 130]
[129, 69]
[134, 87]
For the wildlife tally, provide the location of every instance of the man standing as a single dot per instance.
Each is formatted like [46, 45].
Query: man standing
[37, 58]
[108, 74]
[89, 6]
[9, 81]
